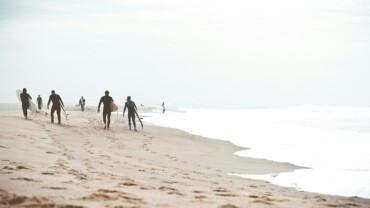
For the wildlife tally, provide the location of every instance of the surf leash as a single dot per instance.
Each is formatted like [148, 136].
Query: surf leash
[61, 104]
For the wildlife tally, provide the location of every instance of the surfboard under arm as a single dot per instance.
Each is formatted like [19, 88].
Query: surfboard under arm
[32, 106]
[113, 107]
[138, 117]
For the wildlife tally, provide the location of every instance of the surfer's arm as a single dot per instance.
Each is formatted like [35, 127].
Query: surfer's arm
[101, 100]
[124, 110]
[49, 101]
[29, 96]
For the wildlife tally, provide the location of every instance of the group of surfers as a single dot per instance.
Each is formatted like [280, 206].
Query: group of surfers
[58, 104]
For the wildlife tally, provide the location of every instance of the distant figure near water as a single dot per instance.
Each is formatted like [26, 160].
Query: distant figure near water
[25, 102]
[164, 109]
[57, 103]
[39, 102]
[131, 106]
[106, 100]
[82, 103]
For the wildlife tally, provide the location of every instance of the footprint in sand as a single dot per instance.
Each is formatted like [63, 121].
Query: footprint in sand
[47, 173]
[16, 167]
[55, 188]
[320, 199]
[147, 188]
[25, 179]
[128, 183]
[224, 192]
[200, 197]
[228, 206]
[9, 199]
[265, 199]
[114, 195]
[170, 182]
[170, 191]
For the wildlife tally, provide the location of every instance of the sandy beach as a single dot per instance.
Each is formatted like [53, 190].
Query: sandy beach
[80, 164]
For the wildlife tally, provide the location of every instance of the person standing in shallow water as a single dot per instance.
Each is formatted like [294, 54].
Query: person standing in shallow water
[130, 105]
[57, 102]
[25, 102]
[106, 100]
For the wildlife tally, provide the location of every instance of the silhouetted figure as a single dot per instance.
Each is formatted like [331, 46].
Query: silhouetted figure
[39, 102]
[25, 102]
[130, 105]
[57, 102]
[163, 108]
[82, 103]
[106, 100]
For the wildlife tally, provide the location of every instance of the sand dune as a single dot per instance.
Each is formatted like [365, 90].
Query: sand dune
[80, 164]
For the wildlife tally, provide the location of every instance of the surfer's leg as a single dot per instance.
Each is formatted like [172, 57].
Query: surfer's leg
[24, 108]
[104, 118]
[109, 113]
[129, 120]
[58, 113]
[52, 113]
[133, 120]
[104, 115]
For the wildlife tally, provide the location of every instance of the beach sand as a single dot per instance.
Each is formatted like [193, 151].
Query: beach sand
[80, 164]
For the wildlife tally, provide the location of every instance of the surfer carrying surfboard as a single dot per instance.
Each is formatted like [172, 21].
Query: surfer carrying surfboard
[106, 100]
[130, 105]
[57, 102]
[25, 102]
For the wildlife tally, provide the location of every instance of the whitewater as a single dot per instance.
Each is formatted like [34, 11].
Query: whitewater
[331, 143]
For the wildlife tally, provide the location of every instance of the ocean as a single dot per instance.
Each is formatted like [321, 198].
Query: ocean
[332, 142]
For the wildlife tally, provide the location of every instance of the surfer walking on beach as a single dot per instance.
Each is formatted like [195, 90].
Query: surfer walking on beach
[131, 106]
[57, 104]
[163, 108]
[106, 100]
[39, 102]
[25, 102]
[82, 103]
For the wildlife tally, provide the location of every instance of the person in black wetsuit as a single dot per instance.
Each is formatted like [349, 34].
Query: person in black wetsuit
[130, 105]
[39, 102]
[106, 100]
[25, 102]
[82, 103]
[57, 102]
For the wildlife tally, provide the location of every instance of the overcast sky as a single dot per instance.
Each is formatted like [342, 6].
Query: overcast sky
[188, 52]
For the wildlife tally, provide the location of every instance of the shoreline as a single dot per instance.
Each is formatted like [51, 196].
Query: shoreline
[81, 164]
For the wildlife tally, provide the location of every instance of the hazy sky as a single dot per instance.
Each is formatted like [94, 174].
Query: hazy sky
[188, 52]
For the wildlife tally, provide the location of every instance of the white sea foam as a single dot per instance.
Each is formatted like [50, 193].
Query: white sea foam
[334, 142]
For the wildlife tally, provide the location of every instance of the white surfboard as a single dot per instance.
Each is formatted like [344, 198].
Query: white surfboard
[32, 106]
[113, 107]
